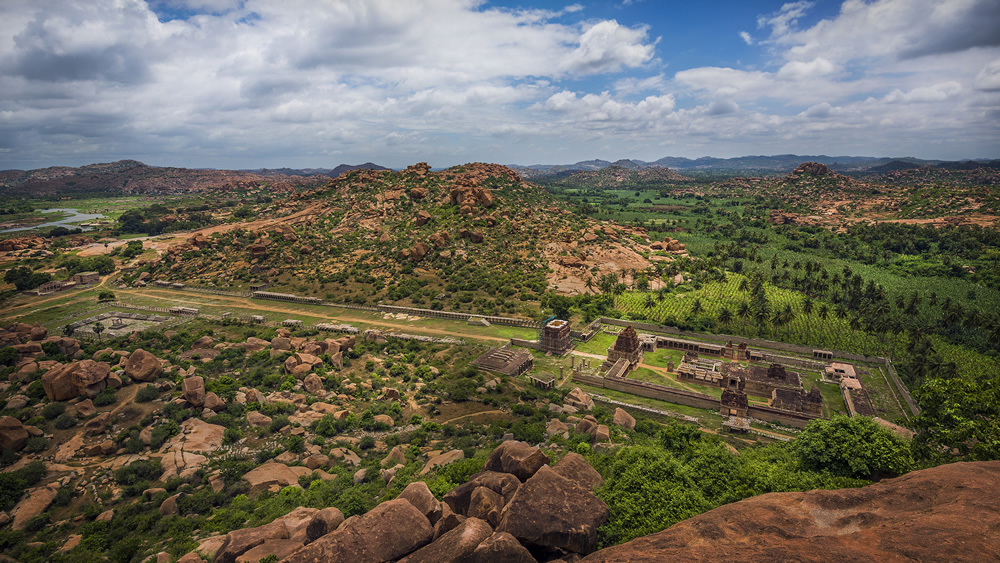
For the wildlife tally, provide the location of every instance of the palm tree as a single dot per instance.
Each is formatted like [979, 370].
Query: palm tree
[650, 302]
[590, 283]
[98, 329]
[824, 312]
[807, 309]
[68, 330]
[841, 313]
[725, 316]
[787, 316]
[696, 307]
[744, 312]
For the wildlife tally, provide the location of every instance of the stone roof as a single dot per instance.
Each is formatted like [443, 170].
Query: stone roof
[628, 340]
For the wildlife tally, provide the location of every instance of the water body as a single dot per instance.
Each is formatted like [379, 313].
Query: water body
[75, 217]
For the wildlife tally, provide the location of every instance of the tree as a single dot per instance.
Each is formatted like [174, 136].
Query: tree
[98, 329]
[853, 447]
[725, 316]
[105, 295]
[959, 420]
[807, 309]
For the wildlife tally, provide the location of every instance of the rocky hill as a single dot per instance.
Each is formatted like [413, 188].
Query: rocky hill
[472, 232]
[619, 177]
[947, 513]
[133, 177]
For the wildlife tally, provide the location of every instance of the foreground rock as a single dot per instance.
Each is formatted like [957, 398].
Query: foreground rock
[946, 513]
[550, 511]
[387, 532]
[516, 458]
[13, 436]
[85, 378]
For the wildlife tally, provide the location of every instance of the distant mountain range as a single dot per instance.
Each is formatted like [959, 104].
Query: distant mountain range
[750, 165]
[134, 177]
[331, 172]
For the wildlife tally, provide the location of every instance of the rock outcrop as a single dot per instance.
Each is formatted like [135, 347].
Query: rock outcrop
[946, 513]
[83, 378]
[142, 366]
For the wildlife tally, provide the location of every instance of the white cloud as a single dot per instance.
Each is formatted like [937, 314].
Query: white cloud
[746, 38]
[988, 78]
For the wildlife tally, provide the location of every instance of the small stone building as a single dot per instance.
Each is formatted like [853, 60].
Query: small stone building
[627, 347]
[506, 361]
[797, 400]
[84, 278]
[734, 403]
[556, 337]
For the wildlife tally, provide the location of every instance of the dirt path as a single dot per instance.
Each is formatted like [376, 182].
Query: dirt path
[345, 315]
[470, 415]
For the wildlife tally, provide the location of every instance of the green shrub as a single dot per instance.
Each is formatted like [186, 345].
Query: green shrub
[279, 422]
[147, 393]
[296, 444]
[231, 435]
[105, 398]
[367, 443]
[65, 420]
[36, 444]
[52, 410]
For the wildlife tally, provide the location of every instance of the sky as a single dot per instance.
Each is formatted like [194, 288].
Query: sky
[317, 83]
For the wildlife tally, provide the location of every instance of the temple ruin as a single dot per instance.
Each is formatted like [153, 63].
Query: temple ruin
[556, 337]
[506, 361]
[626, 347]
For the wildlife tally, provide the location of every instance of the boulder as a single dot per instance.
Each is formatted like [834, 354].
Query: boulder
[602, 434]
[254, 418]
[241, 541]
[38, 332]
[203, 343]
[447, 521]
[278, 548]
[442, 460]
[324, 522]
[143, 366]
[586, 426]
[85, 408]
[98, 424]
[271, 475]
[556, 427]
[169, 505]
[579, 399]
[37, 501]
[281, 343]
[503, 484]
[387, 532]
[945, 513]
[485, 505]
[384, 419]
[623, 419]
[83, 378]
[551, 512]
[575, 468]
[17, 402]
[455, 545]
[13, 436]
[196, 436]
[317, 461]
[214, 402]
[312, 383]
[194, 390]
[421, 497]
[517, 458]
[501, 546]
